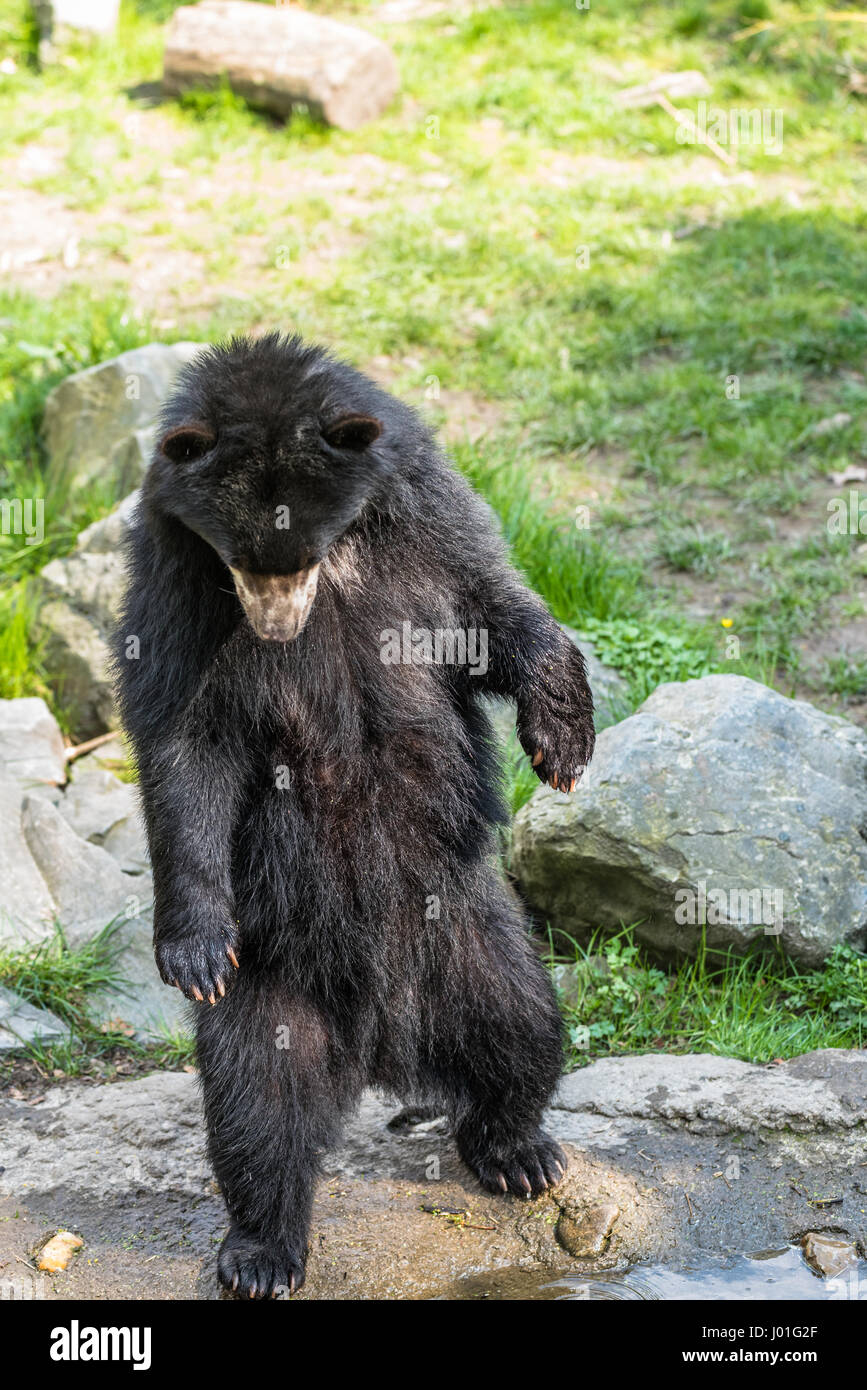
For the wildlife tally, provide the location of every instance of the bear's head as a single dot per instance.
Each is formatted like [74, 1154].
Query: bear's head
[269, 451]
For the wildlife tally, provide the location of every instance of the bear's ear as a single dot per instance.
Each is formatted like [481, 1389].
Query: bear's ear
[187, 443]
[355, 432]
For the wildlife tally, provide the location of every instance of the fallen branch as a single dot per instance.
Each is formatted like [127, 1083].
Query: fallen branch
[832, 17]
[71, 753]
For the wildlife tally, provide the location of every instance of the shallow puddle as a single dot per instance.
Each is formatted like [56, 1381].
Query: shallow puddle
[768, 1274]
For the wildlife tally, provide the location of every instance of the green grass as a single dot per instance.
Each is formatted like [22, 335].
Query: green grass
[62, 979]
[656, 334]
[616, 1001]
[54, 976]
[464, 268]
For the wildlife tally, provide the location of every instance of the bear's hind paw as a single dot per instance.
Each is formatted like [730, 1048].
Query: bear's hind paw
[527, 1170]
[254, 1268]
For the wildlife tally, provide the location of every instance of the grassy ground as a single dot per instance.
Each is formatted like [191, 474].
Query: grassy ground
[760, 1007]
[615, 1001]
[627, 342]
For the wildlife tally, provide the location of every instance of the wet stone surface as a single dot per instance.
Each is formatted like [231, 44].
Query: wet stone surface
[678, 1176]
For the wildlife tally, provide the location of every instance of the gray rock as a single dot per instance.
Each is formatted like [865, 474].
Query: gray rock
[107, 536]
[720, 802]
[106, 1140]
[91, 416]
[22, 1024]
[87, 885]
[60, 18]
[62, 21]
[76, 656]
[88, 891]
[31, 744]
[92, 582]
[102, 809]
[697, 1176]
[824, 1090]
[79, 860]
[83, 593]
[279, 59]
[26, 906]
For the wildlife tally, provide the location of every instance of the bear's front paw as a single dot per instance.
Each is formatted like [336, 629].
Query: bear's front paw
[200, 966]
[559, 743]
[253, 1268]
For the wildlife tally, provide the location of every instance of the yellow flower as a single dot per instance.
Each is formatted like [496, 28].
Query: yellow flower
[726, 622]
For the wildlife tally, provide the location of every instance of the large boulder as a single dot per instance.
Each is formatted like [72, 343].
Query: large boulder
[73, 854]
[83, 593]
[280, 58]
[31, 744]
[719, 807]
[98, 423]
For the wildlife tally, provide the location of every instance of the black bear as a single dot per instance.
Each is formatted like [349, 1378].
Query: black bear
[318, 602]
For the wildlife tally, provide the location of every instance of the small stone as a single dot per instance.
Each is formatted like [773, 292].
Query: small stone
[831, 424]
[58, 1251]
[588, 1236]
[852, 473]
[675, 85]
[828, 1255]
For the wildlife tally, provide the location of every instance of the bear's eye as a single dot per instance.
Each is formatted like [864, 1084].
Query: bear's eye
[355, 432]
[188, 443]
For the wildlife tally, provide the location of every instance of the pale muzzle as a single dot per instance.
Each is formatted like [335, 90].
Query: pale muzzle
[277, 605]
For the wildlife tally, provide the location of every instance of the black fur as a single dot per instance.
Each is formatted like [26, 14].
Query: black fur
[307, 804]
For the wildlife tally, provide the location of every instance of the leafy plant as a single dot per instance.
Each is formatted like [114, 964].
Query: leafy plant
[647, 655]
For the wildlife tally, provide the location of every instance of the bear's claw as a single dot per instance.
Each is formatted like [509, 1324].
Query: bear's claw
[194, 965]
[251, 1268]
[530, 1169]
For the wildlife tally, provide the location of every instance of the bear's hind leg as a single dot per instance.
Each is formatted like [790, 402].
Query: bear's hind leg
[272, 1102]
[498, 1051]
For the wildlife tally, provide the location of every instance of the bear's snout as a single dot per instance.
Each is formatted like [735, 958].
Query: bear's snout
[277, 605]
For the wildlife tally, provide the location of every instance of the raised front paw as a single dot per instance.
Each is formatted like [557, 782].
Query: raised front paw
[201, 966]
[254, 1268]
[558, 740]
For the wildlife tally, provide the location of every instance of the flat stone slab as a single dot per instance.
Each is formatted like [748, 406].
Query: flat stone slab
[816, 1092]
[699, 1174]
[22, 1024]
